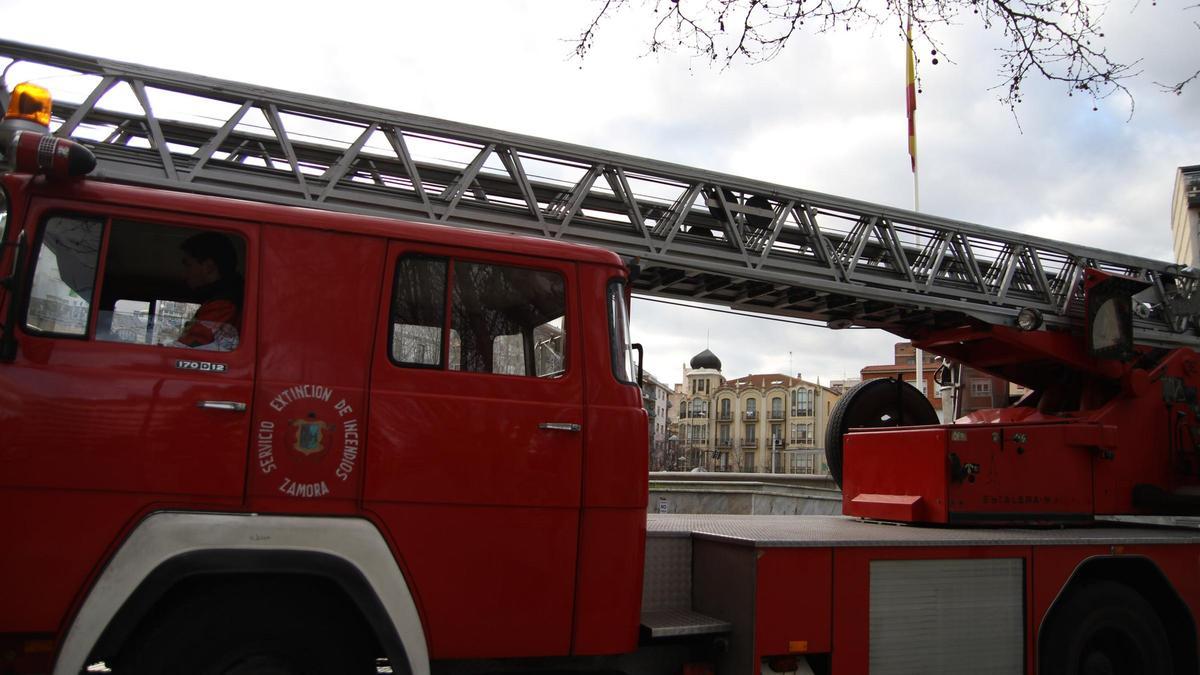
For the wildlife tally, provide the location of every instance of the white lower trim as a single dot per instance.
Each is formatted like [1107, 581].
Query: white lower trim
[163, 536]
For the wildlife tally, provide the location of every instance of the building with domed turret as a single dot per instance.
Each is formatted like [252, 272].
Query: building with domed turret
[759, 423]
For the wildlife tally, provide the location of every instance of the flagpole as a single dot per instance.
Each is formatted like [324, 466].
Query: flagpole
[916, 190]
[911, 105]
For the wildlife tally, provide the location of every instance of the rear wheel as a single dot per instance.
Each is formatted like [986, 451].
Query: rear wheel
[1104, 628]
[252, 627]
[874, 404]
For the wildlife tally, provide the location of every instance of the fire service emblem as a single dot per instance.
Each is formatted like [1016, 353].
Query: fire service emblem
[310, 435]
[307, 442]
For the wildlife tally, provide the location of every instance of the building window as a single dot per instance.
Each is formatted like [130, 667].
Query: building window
[748, 461]
[802, 403]
[805, 463]
[748, 436]
[776, 408]
[981, 387]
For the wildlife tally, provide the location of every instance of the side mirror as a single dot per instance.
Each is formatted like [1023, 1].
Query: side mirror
[641, 358]
[12, 285]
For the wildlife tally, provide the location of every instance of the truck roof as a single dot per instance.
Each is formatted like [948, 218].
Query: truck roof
[315, 218]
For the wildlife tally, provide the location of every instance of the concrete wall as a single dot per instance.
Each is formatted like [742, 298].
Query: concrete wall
[743, 494]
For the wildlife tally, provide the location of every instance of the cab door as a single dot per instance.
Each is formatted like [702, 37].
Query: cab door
[104, 415]
[476, 414]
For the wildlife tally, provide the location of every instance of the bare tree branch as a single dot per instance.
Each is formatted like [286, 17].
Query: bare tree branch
[1056, 40]
[1177, 88]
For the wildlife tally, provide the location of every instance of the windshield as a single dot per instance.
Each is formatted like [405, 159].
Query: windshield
[618, 330]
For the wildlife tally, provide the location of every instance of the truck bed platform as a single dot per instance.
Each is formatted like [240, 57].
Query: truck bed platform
[932, 599]
[844, 531]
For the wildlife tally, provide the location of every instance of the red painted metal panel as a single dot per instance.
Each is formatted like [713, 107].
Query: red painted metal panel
[793, 601]
[496, 496]
[897, 462]
[319, 300]
[60, 540]
[1024, 469]
[96, 432]
[1054, 567]
[313, 219]
[616, 447]
[609, 583]
[490, 582]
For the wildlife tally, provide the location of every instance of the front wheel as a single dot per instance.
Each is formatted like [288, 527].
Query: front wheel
[248, 626]
[1104, 628]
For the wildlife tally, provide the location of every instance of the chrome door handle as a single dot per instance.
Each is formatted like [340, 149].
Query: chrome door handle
[231, 406]
[559, 426]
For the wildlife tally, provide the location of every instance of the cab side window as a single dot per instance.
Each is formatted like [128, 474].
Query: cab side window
[161, 285]
[503, 319]
[64, 276]
[419, 311]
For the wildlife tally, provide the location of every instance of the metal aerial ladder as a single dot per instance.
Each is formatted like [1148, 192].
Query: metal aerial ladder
[697, 235]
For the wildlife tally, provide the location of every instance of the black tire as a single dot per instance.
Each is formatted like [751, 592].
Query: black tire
[251, 627]
[874, 404]
[1104, 628]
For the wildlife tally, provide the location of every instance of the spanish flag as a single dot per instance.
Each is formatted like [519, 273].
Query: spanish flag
[912, 102]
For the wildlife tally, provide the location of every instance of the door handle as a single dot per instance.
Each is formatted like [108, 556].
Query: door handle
[231, 406]
[559, 426]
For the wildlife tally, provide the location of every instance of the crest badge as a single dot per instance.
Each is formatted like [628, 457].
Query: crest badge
[310, 435]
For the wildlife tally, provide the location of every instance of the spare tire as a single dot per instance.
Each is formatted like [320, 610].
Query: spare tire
[874, 404]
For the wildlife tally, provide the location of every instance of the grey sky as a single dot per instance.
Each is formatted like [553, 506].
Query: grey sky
[827, 115]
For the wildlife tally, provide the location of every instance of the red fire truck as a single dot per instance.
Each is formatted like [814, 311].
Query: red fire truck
[273, 398]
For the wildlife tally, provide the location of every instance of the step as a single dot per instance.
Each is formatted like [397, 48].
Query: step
[666, 623]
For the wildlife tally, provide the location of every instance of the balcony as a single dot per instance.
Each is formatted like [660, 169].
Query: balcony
[749, 443]
[724, 442]
[724, 416]
[750, 414]
[775, 415]
[802, 412]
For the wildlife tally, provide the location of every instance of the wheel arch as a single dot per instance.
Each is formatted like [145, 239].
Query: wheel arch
[1145, 577]
[168, 548]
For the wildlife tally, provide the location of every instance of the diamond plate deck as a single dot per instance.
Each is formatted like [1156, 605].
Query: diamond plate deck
[844, 531]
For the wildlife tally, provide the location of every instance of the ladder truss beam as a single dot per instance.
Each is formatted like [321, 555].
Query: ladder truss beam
[698, 235]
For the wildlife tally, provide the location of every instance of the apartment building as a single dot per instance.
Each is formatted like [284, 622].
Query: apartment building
[759, 423]
[1185, 215]
[656, 397]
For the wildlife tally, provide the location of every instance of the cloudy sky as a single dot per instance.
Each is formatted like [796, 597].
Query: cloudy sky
[827, 115]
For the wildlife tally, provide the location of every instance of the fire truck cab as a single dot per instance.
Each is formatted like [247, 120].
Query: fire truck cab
[463, 402]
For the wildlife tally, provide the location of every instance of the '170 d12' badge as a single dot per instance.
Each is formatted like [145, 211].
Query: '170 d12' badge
[309, 440]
